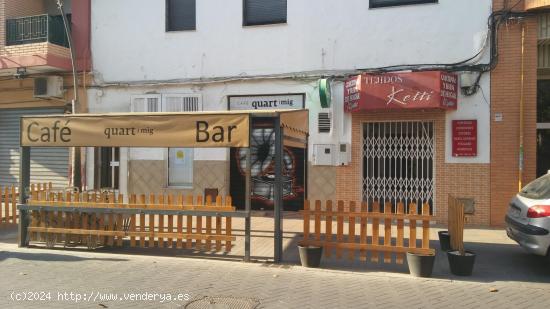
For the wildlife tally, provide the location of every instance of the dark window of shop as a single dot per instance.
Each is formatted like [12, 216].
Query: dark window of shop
[180, 15]
[386, 3]
[264, 12]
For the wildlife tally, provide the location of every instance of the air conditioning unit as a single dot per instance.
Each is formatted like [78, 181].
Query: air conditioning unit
[344, 154]
[323, 154]
[48, 87]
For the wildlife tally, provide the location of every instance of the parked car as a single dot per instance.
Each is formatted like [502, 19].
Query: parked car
[528, 217]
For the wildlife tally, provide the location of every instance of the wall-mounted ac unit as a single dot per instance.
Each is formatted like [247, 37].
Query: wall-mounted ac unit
[48, 87]
[324, 154]
[344, 154]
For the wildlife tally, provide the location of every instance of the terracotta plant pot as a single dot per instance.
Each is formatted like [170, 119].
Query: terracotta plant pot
[420, 265]
[310, 256]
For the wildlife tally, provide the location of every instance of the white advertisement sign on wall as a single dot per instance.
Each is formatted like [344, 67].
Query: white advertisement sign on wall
[266, 102]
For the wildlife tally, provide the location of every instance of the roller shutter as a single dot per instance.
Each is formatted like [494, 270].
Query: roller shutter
[47, 164]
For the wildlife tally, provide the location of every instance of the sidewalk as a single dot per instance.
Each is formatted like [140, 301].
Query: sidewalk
[516, 279]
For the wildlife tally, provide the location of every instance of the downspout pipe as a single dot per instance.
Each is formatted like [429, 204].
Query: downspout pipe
[76, 179]
[521, 111]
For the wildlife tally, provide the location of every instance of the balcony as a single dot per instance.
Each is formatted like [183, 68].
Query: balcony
[536, 4]
[36, 29]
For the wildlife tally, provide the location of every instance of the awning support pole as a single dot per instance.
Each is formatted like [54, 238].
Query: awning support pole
[247, 220]
[278, 192]
[24, 188]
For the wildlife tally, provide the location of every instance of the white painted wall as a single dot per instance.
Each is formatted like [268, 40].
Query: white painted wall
[129, 41]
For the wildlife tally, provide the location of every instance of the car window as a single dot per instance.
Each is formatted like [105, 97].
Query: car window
[538, 189]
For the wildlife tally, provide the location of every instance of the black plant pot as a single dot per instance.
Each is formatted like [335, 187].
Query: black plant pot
[310, 256]
[461, 265]
[444, 240]
[420, 265]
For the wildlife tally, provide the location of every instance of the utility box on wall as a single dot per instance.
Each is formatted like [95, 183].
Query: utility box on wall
[323, 154]
[344, 154]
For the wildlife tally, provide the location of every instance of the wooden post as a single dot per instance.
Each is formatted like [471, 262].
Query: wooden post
[328, 228]
[340, 229]
[363, 252]
[179, 242]
[351, 228]
[412, 226]
[387, 231]
[170, 221]
[375, 232]
[208, 245]
[400, 232]
[218, 224]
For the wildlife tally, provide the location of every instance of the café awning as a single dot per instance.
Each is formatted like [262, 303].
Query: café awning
[189, 129]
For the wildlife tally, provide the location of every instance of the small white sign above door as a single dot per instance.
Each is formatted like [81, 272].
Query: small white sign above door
[266, 102]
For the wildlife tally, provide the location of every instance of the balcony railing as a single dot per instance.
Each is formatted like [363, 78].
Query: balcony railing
[36, 29]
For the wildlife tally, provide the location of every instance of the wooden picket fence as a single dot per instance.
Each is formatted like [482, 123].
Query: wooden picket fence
[142, 227]
[9, 198]
[456, 220]
[364, 240]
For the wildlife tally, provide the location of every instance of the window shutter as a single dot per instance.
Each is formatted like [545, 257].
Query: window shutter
[180, 15]
[182, 103]
[324, 122]
[149, 103]
[261, 12]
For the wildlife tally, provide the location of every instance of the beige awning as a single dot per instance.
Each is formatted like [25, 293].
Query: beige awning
[197, 129]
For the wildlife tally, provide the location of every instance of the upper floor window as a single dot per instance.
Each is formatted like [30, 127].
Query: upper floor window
[180, 15]
[263, 12]
[384, 3]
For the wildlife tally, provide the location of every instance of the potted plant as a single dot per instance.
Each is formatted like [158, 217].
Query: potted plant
[461, 261]
[444, 240]
[310, 256]
[420, 265]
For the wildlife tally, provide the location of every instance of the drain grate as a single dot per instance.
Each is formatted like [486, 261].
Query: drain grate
[213, 302]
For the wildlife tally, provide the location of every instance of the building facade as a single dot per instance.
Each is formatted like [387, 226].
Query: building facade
[36, 78]
[216, 55]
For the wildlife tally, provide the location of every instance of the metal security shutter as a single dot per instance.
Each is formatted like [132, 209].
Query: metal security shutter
[262, 12]
[48, 164]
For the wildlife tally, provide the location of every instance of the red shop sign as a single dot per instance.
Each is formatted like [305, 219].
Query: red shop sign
[410, 90]
[464, 138]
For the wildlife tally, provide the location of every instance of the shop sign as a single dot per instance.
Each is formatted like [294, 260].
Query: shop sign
[266, 102]
[174, 130]
[409, 90]
[464, 138]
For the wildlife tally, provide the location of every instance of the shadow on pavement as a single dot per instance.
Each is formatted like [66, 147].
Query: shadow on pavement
[51, 257]
[494, 262]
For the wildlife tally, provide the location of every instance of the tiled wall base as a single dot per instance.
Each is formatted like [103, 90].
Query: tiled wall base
[151, 177]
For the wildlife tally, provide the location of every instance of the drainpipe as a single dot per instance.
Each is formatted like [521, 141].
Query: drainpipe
[76, 176]
[521, 152]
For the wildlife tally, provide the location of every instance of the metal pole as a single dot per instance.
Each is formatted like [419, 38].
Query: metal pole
[278, 190]
[247, 220]
[76, 164]
[24, 186]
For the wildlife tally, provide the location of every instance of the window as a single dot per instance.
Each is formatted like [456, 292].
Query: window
[149, 103]
[180, 15]
[385, 3]
[263, 12]
[180, 160]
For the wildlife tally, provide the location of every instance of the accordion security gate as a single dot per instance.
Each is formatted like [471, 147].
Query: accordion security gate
[398, 162]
